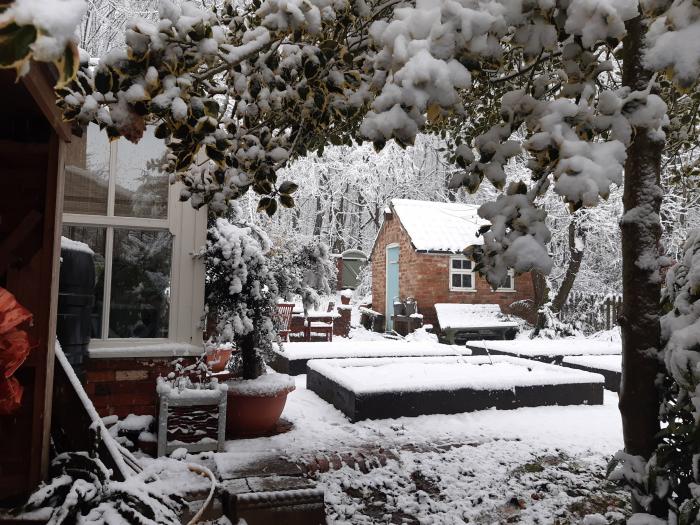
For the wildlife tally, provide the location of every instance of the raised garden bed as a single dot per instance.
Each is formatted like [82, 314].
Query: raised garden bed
[460, 323]
[292, 360]
[413, 386]
[546, 350]
[609, 366]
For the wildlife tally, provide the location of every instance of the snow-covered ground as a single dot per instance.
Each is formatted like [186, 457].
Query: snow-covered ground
[484, 467]
[529, 465]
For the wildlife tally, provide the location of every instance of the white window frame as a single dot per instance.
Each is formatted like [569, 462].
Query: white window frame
[187, 275]
[510, 288]
[462, 271]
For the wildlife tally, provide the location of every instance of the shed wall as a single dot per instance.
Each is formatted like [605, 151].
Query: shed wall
[426, 277]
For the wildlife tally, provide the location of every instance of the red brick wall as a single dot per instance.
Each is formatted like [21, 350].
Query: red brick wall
[426, 277]
[123, 386]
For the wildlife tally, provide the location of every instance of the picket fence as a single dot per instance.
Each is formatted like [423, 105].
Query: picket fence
[592, 312]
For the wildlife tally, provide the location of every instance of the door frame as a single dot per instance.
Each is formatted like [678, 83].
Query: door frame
[389, 307]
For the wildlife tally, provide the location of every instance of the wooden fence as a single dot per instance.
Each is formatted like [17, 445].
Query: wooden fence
[592, 312]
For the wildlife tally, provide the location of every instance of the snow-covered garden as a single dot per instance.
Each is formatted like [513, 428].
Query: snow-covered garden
[350, 261]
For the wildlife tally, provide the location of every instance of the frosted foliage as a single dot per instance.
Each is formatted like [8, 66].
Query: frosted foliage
[240, 290]
[516, 238]
[594, 20]
[673, 41]
[251, 90]
[56, 19]
[672, 477]
[681, 326]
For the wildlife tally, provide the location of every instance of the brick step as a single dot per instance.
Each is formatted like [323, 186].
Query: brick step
[291, 500]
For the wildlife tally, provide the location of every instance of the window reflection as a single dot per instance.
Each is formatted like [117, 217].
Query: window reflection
[87, 173]
[94, 237]
[141, 188]
[140, 301]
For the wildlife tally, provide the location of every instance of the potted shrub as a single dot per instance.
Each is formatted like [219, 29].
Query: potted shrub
[241, 293]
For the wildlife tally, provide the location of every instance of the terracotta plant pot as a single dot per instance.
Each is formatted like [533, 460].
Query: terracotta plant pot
[218, 359]
[254, 414]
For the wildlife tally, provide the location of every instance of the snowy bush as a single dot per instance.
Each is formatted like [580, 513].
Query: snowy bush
[671, 478]
[240, 290]
[303, 269]
[82, 491]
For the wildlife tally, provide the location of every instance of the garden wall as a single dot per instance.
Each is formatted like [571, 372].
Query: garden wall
[426, 277]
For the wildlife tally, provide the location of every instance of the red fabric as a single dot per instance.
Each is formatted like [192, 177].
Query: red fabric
[10, 395]
[14, 349]
[12, 313]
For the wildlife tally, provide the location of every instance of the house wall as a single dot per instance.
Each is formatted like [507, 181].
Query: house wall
[123, 386]
[426, 277]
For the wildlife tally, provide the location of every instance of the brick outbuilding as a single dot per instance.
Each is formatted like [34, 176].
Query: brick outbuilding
[429, 238]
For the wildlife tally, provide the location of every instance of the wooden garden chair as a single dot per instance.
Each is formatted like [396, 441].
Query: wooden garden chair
[284, 319]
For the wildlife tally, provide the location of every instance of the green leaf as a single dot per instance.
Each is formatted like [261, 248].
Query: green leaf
[103, 81]
[211, 108]
[162, 131]
[15, 42]
[263, 203]
[214, 154]
[311, 69]
[287, 201]
[205, 125]
[288, 187]
[272, 208]
[68, 65]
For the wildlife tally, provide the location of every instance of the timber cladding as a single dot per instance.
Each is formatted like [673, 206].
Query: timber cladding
[425, 277]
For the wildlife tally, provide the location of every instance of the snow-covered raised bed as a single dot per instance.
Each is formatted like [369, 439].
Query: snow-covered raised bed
[609, 366]
[294, 356]
[546, 350]
[412, 386]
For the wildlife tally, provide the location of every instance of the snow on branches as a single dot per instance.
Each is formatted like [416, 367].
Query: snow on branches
[41, 30]
[236, 94]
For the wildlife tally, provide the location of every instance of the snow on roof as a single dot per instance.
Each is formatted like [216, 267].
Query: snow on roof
[439, 226]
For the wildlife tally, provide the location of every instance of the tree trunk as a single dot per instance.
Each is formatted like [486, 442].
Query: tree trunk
[575, 258]
[250, 368]
[641, 286]
[318, 220]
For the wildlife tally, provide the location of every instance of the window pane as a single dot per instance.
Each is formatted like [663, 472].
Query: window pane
[456, 281]
[95, 238]
[87, 173]
[508, 283]
[466, 264]
[466, 281]
[140, 300]
[456, 264]
[141, 189]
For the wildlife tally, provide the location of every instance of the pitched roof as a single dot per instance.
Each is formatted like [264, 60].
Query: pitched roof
[439, 226]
